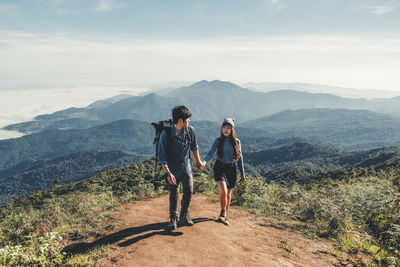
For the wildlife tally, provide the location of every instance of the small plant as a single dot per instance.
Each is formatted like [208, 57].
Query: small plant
[37, 250]
[284, 244]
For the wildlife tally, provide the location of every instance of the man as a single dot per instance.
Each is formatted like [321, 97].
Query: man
[173, 155]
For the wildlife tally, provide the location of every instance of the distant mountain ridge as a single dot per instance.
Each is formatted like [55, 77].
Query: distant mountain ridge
[126, 135]
[347, 129]
[209, 100]
[318, 88]
[350, 129]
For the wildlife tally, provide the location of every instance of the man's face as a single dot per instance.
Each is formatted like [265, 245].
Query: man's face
[184, 123]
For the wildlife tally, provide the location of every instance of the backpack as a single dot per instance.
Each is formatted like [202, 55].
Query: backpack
[166, 125]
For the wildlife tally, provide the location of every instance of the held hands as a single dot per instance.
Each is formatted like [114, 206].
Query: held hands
[200, 164]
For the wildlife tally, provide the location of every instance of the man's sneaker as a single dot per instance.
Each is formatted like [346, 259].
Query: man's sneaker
[185, 220]
[173, 224]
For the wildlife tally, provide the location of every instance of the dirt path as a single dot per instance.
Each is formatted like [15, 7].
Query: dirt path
[142, 241]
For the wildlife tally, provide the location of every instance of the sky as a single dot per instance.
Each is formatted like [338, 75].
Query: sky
[139, 43]
[78, 44]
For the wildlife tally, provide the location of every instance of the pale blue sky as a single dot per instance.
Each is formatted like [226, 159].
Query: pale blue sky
[68, 43]
[195, 18]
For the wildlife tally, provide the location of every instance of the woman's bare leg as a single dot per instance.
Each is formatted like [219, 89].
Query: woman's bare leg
[228, 198]
[223, 192]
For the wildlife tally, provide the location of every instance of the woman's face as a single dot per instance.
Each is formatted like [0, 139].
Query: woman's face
[226, 130]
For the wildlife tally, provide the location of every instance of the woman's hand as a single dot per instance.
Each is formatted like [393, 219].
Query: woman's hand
[242, 180]
[200, 165]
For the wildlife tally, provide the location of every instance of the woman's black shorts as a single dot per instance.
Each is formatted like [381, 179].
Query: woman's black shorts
[225, 172]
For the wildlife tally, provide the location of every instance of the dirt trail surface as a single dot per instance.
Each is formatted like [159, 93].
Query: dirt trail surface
[142, 240]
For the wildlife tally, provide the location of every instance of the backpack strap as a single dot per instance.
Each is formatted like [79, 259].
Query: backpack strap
[168, 132]
[189, 133]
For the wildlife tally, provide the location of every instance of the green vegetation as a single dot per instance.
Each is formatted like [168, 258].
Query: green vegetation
[359, 212]
[302, 162]
[35, 229]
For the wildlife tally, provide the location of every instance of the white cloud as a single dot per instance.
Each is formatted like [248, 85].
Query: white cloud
[106, 5]
[379, 10]
[274, 6]
[104, 66]
[93, 60]
[23, 105]
[9, 134]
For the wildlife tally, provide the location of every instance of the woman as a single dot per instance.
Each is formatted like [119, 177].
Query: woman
[228, 153]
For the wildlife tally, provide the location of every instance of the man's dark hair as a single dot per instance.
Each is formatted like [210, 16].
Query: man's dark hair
[180, 112]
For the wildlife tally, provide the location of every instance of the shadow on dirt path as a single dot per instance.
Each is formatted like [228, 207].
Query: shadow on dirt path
[156, 228]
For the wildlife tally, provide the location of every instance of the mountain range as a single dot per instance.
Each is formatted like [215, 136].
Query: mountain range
[318, 88]
[285, 134]
[212, 101]
[349, 129]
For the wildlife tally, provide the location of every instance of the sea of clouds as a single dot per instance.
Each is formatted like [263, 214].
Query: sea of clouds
[24, 104]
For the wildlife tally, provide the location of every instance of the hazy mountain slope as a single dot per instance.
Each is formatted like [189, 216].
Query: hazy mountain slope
[30, 176]
[351, 129]
[318, 88]
[126, 135]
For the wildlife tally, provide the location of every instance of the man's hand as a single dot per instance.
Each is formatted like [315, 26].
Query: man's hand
[242, 180]
[199, 163]
[171, 179]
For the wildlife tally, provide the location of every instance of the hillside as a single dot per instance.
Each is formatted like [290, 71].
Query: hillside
[31, 175]
[349, 129]
[128, 135]
[277, 159]
[109, 219]
[302, 162]
[346, 129]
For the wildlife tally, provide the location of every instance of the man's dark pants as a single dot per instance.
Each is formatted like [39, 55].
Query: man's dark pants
[187, 184]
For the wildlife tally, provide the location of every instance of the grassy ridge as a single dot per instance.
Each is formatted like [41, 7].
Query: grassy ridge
[359, 212]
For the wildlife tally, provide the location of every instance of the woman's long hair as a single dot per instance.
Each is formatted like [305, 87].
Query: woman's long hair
[220, 148]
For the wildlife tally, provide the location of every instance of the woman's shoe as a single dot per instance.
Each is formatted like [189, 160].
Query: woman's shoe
[221, 216]
[226, 222]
